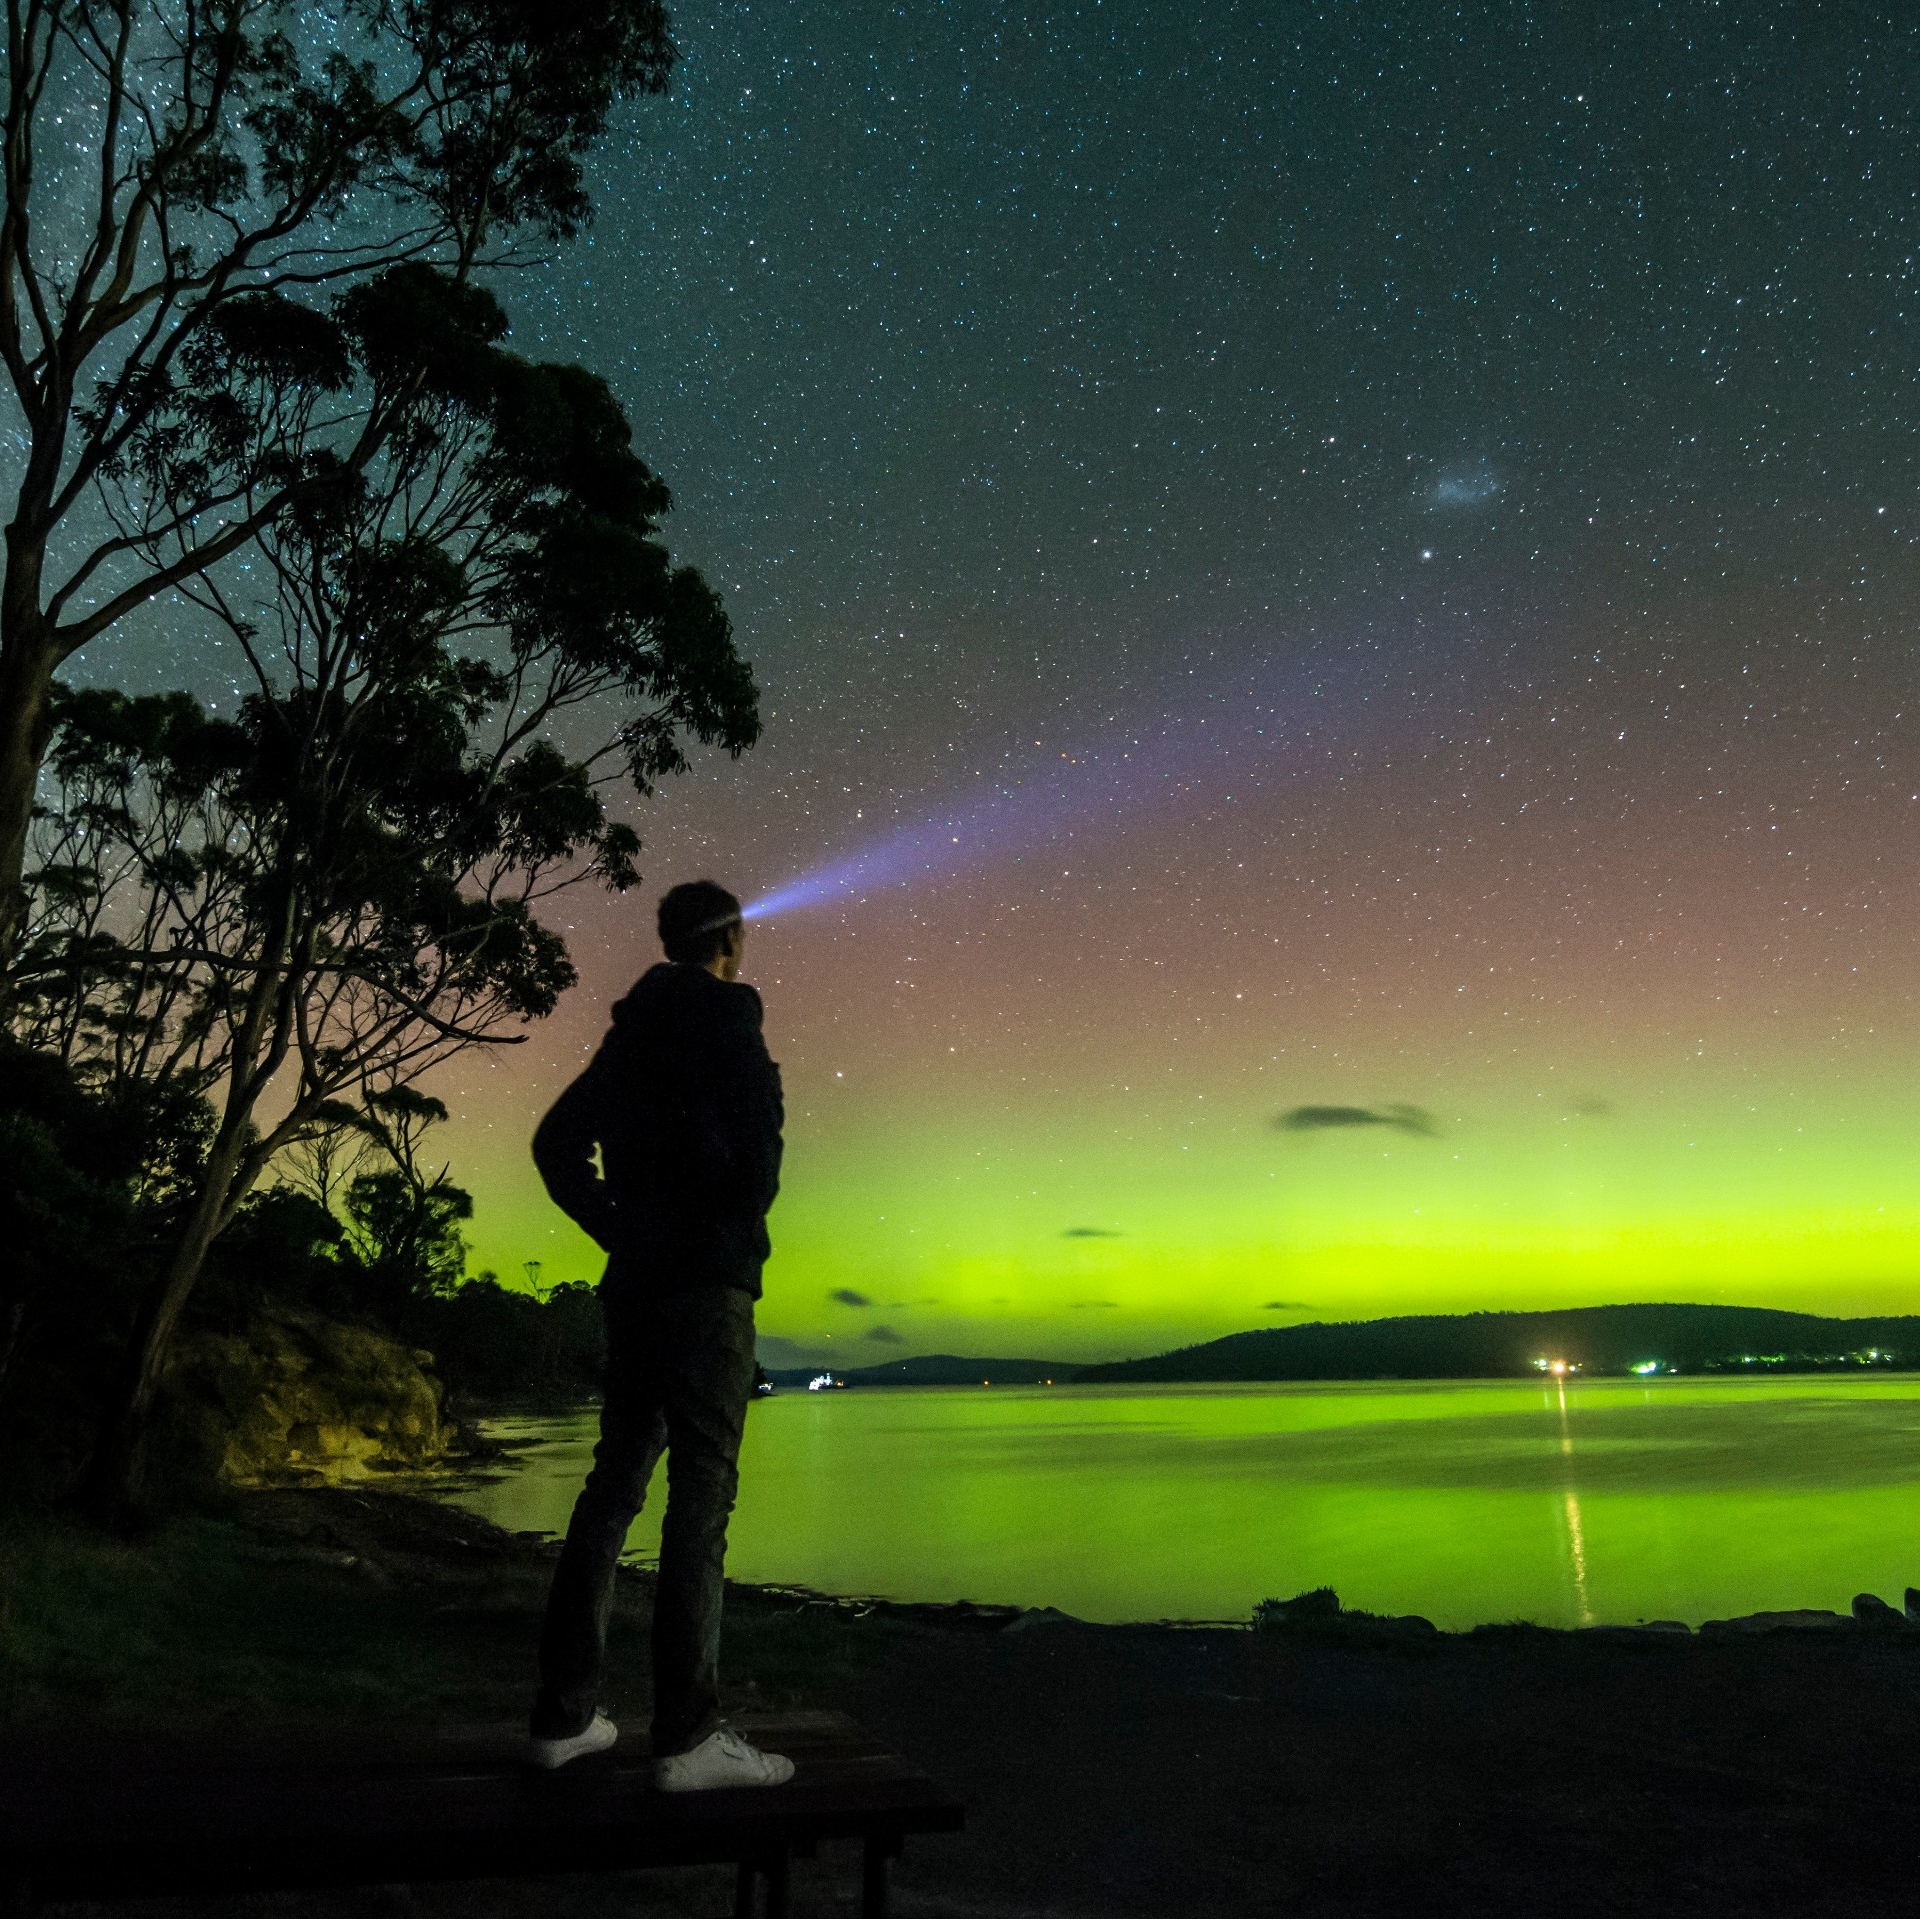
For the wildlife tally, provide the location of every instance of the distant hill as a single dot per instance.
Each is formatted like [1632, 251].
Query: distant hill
[936, 1369]
[1597, 1339]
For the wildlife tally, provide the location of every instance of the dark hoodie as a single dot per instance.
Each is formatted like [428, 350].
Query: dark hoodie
[684, 1105]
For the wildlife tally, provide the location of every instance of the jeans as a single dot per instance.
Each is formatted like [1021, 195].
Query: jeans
[679, 1375]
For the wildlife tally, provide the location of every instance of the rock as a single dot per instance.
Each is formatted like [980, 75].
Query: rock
[1808, 1620]
[1319, 1613]
[298, 1399]
[1035, 1616]
[1657, 1632]
[1410, 1625]
[1371, 1629]
[1870, 1610]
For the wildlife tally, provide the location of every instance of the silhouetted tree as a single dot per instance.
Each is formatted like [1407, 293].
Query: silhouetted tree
[88, 1181]
[493, 1345]
[403, 1218]
[294, 912]
[166, 162]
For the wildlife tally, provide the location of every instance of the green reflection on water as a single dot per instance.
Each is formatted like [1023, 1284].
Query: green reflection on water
[1603, 1501]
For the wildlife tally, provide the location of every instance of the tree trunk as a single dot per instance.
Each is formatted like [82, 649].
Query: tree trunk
[28, 656]
[115, 1478]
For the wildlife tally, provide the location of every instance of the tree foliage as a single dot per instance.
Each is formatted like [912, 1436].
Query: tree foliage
[452, 647]
[169, 171]
[90, 1182]
[93, 1182]
[342, 876]
[403, 1217]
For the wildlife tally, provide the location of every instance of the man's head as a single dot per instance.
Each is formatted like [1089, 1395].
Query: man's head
[700, 925]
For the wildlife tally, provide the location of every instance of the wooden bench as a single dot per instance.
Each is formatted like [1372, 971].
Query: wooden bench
[108, 1818]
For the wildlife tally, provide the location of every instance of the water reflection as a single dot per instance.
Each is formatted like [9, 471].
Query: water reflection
[1576, 1540]
[1463, 1501]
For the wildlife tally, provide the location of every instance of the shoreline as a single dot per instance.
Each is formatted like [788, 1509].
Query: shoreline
[1318, 1616]
[1745, 1445]
[1159, 1770]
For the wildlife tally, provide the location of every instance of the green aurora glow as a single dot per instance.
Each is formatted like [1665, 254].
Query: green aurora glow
[1077, 1217]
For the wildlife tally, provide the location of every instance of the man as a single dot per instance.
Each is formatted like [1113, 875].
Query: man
[684, 1106]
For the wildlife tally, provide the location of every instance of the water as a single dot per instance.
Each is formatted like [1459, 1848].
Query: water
[1598, 1502]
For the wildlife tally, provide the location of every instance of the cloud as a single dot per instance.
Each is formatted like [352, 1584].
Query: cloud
[1092, 1232]
[846, 1296]
[1088, 1305]
[884, 1336]
[1591, 1106]
[1286, 1306]
[1415, 1120]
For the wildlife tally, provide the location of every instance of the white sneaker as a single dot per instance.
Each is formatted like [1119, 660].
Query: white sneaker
[551, 1753]
[723, 1758]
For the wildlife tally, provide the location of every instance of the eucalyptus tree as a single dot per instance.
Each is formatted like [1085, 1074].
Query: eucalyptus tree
[162, 161]
[403, 1215]
[454, 647]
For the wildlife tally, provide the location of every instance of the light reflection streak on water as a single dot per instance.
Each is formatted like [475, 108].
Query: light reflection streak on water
[1576, 1537]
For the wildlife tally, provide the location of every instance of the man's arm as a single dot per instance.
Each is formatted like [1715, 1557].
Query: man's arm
[563, 1146]
[748, 1108]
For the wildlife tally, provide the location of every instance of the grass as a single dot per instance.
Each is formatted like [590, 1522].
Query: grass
[212, 1617]
[300, 1609]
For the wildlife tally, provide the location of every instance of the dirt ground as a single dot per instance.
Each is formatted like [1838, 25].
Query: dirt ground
[1148, 1771]
[1138, 1770]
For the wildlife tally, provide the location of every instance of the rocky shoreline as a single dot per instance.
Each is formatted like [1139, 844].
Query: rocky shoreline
[299, 1398]
[1321, 1763]
[401, 1529]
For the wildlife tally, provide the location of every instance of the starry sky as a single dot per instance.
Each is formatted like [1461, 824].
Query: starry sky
[1335, 590]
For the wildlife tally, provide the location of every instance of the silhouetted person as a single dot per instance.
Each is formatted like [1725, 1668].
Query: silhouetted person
[684, 1106]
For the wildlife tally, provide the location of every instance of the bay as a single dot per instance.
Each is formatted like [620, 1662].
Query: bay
[1593, 1502]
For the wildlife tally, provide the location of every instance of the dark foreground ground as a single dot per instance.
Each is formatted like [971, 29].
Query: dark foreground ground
[1138, 1770]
